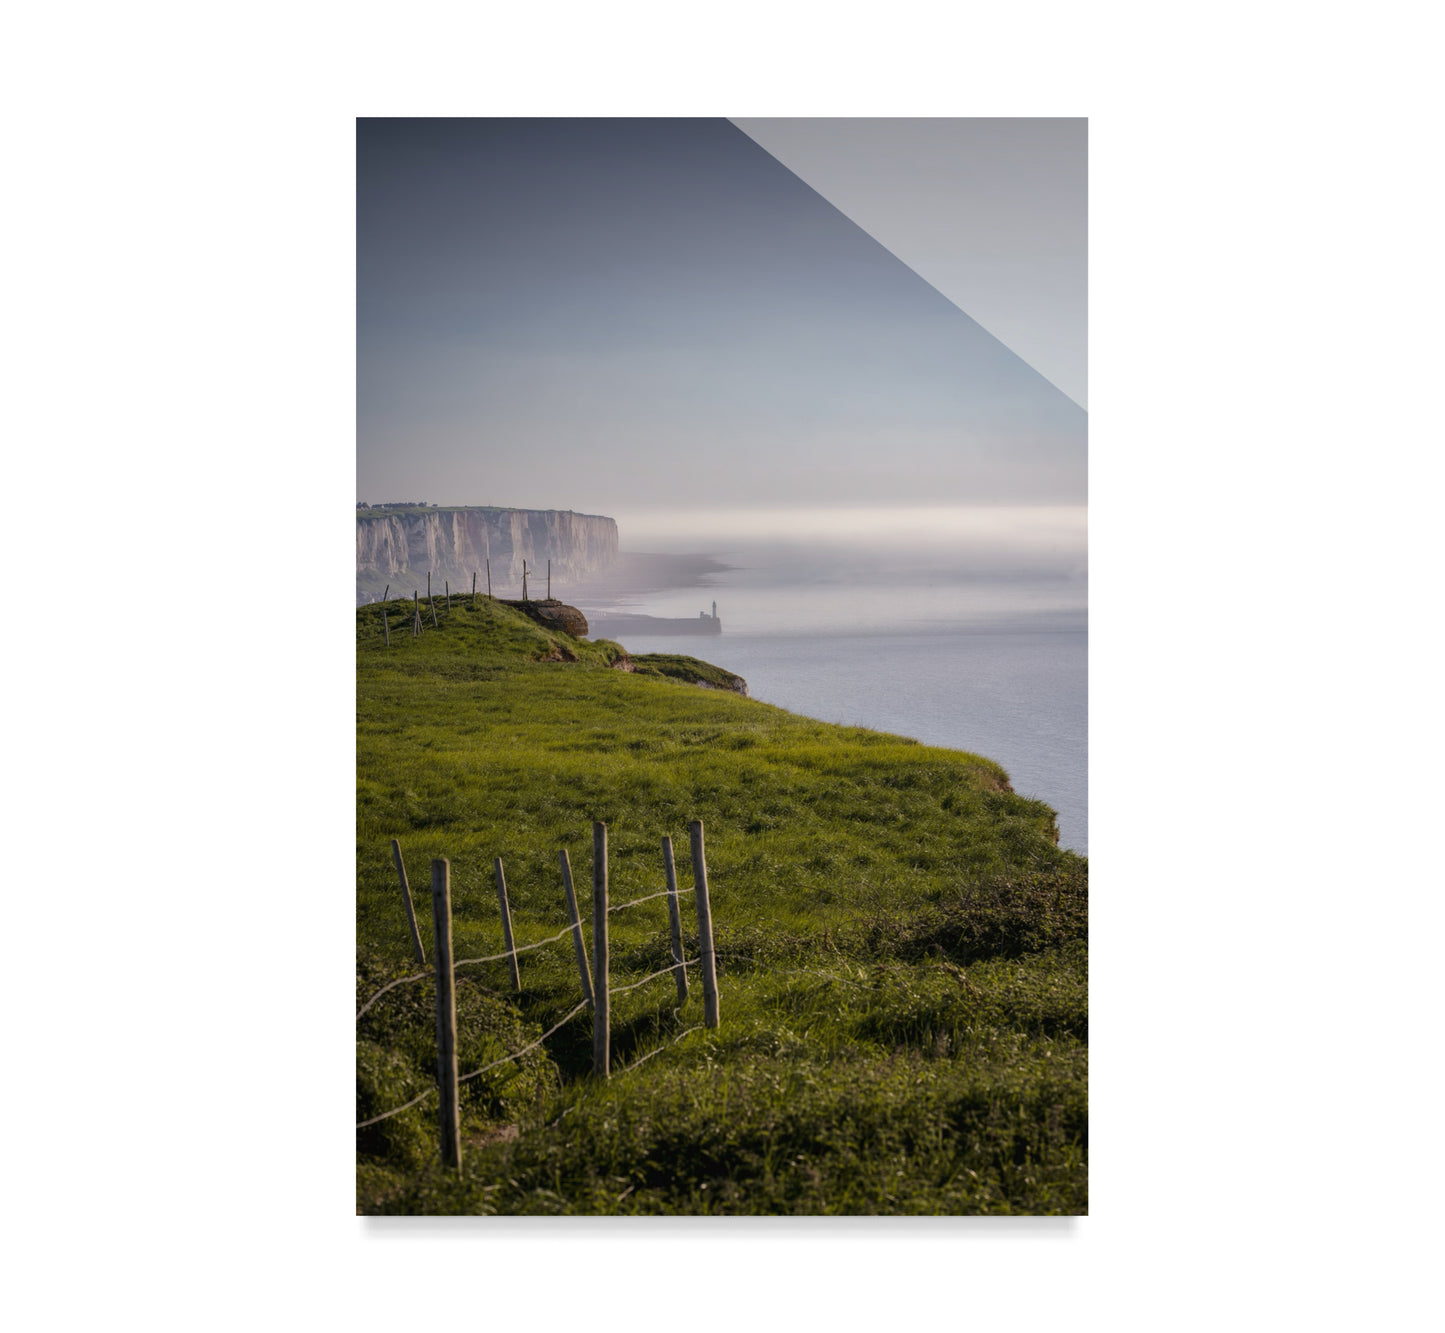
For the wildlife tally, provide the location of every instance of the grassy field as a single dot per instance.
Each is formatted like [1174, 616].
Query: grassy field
[901, 946]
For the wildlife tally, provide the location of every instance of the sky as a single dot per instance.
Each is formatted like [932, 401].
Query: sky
[649, 317]
[992, 212]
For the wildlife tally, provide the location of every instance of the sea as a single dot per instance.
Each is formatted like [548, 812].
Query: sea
[969, 645]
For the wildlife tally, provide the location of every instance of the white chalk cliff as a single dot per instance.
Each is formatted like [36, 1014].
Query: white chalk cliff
[400, 547]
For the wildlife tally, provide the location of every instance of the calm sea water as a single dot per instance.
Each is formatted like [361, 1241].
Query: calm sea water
[930, 647]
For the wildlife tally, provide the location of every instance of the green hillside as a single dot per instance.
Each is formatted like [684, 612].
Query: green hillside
[901, 946]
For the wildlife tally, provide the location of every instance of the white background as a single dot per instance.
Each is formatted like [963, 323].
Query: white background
[1264, 442]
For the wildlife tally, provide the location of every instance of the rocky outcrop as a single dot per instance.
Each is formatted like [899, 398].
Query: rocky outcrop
[554, 615]
[736, 686]
[401, 547]
[691, 670]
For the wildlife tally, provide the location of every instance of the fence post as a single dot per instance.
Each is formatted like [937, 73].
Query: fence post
[432, 602]
[415, 615]
[441, 910]
[385, 628]
[473, 602]
[448, 583]
[674, 918]
[704, 925]
[549, 578]
[406, 898]
[388, 589]
[489, 576]
[507, 924]
[578, 947]
[601, 1037]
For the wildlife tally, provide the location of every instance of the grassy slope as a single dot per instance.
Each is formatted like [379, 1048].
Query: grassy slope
[901, 951]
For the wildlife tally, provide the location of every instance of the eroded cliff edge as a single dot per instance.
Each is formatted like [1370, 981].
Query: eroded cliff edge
[399, 547]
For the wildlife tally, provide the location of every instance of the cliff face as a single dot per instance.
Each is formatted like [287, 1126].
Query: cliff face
[399, 547]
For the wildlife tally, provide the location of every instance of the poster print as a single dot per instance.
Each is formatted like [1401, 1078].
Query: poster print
[721, 639]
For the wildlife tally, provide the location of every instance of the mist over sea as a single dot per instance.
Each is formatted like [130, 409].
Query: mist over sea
[972, 636]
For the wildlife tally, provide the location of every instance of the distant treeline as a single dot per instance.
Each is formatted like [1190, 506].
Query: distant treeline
[395, 504]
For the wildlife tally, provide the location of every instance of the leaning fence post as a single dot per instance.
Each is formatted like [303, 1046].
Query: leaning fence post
[441, 910]
[674, 918]
[415, 615]
[578, 947]
[406, 898]
[507, 924]
[704, 925]
[388, 589]
[601, 1049]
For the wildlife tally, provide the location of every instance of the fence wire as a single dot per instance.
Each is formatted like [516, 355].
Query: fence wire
[661, 972]
[627, 1069]
[421, 1097]
[618, 907]
[515, 1054]
[387, 1115]
[464, 962]
[521, 948]
[415, 976]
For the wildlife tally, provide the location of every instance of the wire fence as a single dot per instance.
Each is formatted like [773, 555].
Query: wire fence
[669, 970]
[642, 1060]
[596, 987]
[525, 948]
[620, 907]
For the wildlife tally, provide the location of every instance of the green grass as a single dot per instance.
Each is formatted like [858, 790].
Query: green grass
[901, 946]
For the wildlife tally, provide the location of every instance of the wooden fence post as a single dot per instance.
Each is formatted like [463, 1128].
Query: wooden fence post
[704, 925]
[428, 585]
[549, 578]
[507, 924]
[448, 582]
[388, 589]
[601, 1016]
[524, 580]
[415, 615]
[473, 602]
[432, 602]
[578, 947]
[441, 910]
[385, 628]
[674, 918]
[489, 576]
[406, 898]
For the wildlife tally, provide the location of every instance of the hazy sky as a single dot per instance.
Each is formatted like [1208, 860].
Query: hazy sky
[618, 316]
[991, 212]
